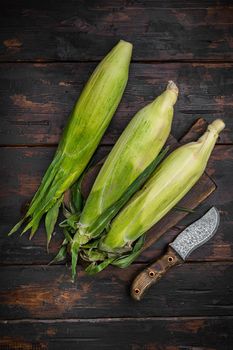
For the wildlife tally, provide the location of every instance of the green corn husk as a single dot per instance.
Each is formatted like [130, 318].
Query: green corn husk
[139, 144]
[88, 121]
[171, 181]
[137, 149]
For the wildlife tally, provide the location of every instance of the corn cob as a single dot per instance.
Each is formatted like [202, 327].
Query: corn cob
[136, 148]
[88, 121]
[171, 181]
[138, 145]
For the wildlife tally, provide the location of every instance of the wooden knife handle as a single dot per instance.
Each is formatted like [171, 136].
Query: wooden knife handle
[153, 273]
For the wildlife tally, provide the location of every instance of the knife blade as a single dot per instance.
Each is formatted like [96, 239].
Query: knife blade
[184, 244]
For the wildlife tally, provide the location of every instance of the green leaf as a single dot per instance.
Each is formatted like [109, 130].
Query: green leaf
[68, 237]
[127, 260]
[74, 258]
[121, 262]
[35, 225]
[91, 244]
[104, 219]
[76, 196]
[61, 255]
[77, 201]
[70, 222]
[94, 268]
[64, 242]
[16, 227]
[27, 227]
[93, 255]
[51, 219]
[65, 212]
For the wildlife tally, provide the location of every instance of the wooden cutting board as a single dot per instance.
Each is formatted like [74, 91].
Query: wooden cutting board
[196, 195]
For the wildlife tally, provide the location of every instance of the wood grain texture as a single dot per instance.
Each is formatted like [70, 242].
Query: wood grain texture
[187, 41]
[153, 273]
[22, 171]
[37, 98]
[126, 334]
[86, 30]
[46, 292]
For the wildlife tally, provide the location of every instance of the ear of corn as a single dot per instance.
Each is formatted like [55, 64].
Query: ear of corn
[88, 121]
[171, 181]
[134, 154]
[70, 223]
[138, 145]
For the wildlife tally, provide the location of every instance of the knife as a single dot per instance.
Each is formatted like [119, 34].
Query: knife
[187, 241]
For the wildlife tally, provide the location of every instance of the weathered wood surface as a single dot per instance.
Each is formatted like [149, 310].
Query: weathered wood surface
[125, 334]
[46, 292]
[187, 41]
[37, 98]
[21, 174]
[86, 30]
[29, 158]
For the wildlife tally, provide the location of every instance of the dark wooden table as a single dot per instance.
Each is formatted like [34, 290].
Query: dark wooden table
[47, 51]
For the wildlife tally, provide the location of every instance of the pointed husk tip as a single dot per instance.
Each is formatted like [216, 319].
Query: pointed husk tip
[217, 125]
[126, 46]
[172, 86]
[126, 43]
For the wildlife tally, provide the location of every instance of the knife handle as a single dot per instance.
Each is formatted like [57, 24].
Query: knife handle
[153, 273]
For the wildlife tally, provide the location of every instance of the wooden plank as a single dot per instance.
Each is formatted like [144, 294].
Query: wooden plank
[22, 171]
[37, 98]
[140, 334]
[46, 292]
[171, 30]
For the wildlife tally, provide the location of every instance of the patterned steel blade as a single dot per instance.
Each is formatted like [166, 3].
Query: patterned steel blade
[197, 233]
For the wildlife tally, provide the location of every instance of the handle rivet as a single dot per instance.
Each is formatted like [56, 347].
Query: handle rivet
[151, 273]
[137, 291]
[170, 259]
